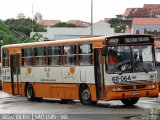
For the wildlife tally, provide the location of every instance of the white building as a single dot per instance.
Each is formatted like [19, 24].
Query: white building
[100, 28]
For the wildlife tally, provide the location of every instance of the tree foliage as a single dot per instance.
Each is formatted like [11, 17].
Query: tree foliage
[64, 24]
[116, 24]
[24, 25]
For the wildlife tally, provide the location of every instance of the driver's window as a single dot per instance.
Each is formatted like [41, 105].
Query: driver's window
[117, 57]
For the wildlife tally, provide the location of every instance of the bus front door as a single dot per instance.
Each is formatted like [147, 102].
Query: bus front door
[99, 76]
[15, 73]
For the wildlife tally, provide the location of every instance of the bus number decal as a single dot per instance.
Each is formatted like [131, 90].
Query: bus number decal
[117, 79]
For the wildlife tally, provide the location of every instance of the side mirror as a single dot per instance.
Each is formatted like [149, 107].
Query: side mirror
[104, 51]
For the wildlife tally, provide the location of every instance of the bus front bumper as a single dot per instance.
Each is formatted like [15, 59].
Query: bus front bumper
[118, 95]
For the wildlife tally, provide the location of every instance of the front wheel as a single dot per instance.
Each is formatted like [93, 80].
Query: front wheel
[130, 101]
[85, 95]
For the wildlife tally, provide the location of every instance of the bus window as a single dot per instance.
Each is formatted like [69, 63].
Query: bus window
[85, 54]
[5, 58]
[69, 55]
[143, 58]
[40, 56]
[117, 57]
[27, 57]
[54, 55]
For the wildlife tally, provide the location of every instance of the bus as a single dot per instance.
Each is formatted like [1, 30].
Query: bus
[157, 47]
[82, 69]
[157, 54]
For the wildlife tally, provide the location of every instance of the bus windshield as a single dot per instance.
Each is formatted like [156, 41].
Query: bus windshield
[125, 59]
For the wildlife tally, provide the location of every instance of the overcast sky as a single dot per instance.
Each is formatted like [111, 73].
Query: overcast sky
[65, 10]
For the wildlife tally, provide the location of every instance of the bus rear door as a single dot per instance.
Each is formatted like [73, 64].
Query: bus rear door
[15, 73]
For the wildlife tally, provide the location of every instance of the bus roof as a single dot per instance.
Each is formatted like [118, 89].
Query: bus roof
[70, 41]
[57, 42]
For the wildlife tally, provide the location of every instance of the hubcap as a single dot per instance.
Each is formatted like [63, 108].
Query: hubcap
[29, 92]
[86, 95]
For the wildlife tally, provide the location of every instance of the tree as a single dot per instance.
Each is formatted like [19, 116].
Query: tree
[36, 37]
[24, 25]
[116, 24]
[64, 24]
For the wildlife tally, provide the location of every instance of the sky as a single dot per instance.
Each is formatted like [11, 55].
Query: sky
[65, 10]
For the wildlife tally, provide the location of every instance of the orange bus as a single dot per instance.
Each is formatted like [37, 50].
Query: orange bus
[81, 69]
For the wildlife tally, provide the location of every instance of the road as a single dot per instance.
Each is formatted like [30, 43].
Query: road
[54, 109]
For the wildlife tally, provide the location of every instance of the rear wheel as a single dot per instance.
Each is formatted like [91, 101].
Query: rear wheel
[130, 101]
[30, 93]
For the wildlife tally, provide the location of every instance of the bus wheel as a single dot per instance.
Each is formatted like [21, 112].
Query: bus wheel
[130, 101]
[30, 93]
[85, 95]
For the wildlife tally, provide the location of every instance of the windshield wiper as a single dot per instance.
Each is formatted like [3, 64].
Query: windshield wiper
[128, 66]
[140, 64]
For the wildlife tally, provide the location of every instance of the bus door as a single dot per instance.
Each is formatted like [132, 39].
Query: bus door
[99, 76]
[15, 73]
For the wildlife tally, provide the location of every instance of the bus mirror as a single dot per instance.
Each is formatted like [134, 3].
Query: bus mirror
[104, 52]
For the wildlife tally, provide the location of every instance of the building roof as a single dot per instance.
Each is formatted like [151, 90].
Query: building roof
[138, 12]
[49, 22]
[79, 23]
[148, 10]
[146, 21]
[153, 6]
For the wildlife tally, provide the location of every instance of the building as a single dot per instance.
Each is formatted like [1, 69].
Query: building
[100, 28]
[148, 11]
[20, 16]
[144, 25]
[46, 23]
[79, 23]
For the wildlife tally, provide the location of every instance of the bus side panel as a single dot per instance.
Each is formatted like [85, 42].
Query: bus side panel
[71, 91]
[62, 91]
[92, 88]
[7, 87]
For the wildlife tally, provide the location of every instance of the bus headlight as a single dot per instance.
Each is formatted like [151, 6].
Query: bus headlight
[116, 89]
[151, 86]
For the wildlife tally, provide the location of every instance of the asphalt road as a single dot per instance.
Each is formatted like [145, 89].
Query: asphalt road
[52, 109]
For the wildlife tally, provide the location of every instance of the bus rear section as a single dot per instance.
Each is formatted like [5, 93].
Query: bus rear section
[130, 73]
[157, 54]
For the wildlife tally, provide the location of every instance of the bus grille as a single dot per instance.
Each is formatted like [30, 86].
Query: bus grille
[134, 87]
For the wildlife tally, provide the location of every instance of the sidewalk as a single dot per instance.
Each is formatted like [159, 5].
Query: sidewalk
[3, 94]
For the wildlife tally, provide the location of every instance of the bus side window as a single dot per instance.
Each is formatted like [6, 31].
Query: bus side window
[27, 57]
[85, 54]
[54, 55]
[40, 56]
[5, 58]
[69, 55]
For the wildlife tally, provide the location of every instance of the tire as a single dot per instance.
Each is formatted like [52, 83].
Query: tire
[30, 93]
[129, 101]
[66, 101]
[85, 95]
[38, 99]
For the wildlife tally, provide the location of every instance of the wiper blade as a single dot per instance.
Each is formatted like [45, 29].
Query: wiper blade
[128, 67]
[141, 66]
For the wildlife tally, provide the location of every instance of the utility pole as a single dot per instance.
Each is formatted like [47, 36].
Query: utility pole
[91, 17]
[32, 18]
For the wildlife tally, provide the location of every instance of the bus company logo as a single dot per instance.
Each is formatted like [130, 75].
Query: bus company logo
[72, 70]
[29, 70]
[70, 74]
[134, 77]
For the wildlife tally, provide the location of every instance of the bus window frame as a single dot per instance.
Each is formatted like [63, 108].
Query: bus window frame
[60, 55]
[70, 55]
[90, 54]
[44, 63]
[6, 58]
[23, 57]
